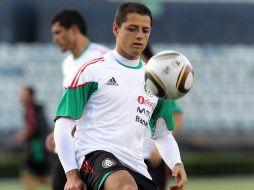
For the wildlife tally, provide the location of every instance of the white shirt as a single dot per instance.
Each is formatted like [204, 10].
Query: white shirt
[71, 65]
[112, 109]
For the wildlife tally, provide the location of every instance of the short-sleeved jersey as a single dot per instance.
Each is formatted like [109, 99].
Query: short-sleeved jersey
[71, 65]
[113, 110]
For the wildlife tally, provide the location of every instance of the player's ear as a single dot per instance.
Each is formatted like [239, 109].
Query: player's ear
[115, 29]
[74, 28]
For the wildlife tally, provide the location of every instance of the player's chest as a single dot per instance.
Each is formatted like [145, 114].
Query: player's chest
[127, 91]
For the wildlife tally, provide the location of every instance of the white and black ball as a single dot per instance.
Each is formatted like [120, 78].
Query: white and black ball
[169, 75]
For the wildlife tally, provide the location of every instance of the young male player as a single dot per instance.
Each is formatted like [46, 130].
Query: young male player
[108, 104]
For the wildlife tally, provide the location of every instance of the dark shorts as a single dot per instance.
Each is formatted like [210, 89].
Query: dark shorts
[98, 165]
[159, 174]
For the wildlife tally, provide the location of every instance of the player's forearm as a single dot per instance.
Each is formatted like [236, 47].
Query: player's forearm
[168, 149]
[64, 143]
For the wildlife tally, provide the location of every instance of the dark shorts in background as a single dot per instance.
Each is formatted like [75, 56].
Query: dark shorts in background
[58, 175]
[98, 165]
[36, 159]
[159, 174]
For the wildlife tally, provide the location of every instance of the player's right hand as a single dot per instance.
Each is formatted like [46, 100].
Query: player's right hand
[74, 182]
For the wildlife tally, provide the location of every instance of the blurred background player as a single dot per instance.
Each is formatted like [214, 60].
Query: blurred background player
[157, 168]
[34, 170]
[69, 32]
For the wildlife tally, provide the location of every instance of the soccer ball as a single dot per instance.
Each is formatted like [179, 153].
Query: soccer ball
[169, 75]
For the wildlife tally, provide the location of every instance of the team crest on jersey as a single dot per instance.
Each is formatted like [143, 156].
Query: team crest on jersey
[108, 162]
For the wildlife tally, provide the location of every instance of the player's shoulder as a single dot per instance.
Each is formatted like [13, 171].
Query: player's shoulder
[93, 63]
[68, 58]
[99, 48]
[98, 64]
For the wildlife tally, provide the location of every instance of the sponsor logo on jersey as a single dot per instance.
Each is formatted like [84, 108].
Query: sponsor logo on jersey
[141, 121]
[108, 162]
[146, 102]
[112, 82]
[144, 111]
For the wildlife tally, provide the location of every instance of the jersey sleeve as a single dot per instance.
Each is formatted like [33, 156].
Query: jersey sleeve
[163, 111]
[77, 94]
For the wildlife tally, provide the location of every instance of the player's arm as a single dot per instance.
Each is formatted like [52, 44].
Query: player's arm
[71, 108]
[170, 153]
[66, 151]
[64, 143]
[162, 126]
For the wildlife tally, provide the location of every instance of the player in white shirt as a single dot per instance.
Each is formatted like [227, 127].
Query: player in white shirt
[70, 34]
[71, 64]
[107, 102]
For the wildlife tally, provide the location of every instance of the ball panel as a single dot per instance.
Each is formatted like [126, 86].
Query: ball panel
[155, 82]
[181, 81]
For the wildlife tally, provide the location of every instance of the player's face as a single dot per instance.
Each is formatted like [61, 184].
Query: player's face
[24, 96]
[62, 37]
[132, 36]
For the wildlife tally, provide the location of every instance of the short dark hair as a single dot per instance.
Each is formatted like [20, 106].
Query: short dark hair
[131, 7]
[70, 17]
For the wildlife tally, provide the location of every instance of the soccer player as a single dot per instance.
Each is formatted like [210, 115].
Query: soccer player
[34, 170]
[108, 104]
[155, 165]
[69, 32]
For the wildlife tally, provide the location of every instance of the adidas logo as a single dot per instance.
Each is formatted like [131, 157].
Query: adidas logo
[112, 82]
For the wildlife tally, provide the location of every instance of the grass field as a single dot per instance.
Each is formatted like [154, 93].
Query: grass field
[219, 183]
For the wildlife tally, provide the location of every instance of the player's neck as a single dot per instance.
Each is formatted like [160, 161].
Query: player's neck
[124, 61]
[126, 55]
[80, 46]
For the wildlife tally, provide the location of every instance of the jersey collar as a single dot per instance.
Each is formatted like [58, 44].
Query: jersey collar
[87, 46]
[132, 64]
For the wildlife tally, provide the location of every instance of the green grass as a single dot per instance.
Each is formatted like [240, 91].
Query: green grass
[14, 184]
[194, 183]
[220, 183]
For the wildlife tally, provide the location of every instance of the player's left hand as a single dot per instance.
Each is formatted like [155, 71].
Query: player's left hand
[178, 172]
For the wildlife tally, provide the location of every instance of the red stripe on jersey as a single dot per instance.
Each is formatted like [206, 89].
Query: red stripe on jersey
[78, 86]
[81, 70]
